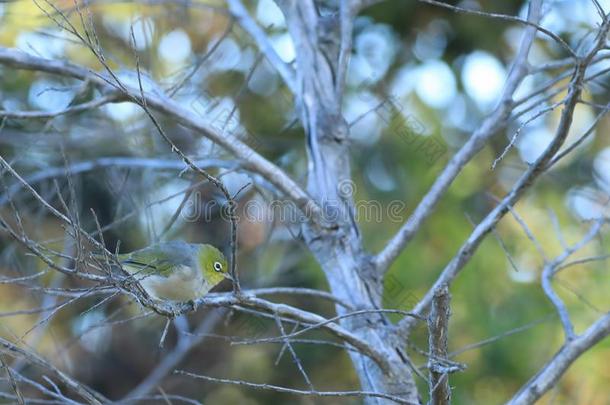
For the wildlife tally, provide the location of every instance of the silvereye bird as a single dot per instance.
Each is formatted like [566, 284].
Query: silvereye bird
[176, 270]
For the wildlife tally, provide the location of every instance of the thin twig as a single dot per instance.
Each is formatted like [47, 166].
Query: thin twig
[438, 325]
[296, 391]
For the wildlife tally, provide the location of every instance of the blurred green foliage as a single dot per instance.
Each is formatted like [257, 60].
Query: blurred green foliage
[489, 298]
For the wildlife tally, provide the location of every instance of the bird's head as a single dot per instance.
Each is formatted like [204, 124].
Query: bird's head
[212, 264]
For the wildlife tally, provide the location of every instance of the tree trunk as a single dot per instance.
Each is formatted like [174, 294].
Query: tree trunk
[336, 242]
[349, 275]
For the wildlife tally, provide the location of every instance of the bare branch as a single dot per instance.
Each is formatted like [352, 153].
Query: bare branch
[11, 379]
[118, 161]
[295, 358]
[309, 318]
[322, 33]
[550, 374]
[239, 12]
[496, 338]
[85, 392]
[348, 9]
[298, 392]
[486, 14]
[438, 326]
[475, 143]
[525, 181]
[90, 105]
[159, 102]
[172, 359]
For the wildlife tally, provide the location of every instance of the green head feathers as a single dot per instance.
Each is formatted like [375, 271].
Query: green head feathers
[213, 264]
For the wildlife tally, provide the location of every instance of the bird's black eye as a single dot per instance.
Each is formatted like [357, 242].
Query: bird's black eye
[217, 266]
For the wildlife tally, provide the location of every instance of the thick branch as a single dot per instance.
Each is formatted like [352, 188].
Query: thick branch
[159, 102]
[550, 374]
[112, 161]
[527, 179]
[490, 126]
[239, 12]
[283, 310]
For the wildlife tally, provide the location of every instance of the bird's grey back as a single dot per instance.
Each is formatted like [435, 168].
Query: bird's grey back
[176, 252]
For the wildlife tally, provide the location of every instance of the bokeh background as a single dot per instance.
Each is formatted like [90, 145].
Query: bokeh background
[434, 71]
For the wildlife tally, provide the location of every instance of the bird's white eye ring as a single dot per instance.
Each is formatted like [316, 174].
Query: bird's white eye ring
[217, 266]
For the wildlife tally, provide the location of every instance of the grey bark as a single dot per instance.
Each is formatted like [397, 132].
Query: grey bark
[336, 242]
[321, 32]
[438, 325]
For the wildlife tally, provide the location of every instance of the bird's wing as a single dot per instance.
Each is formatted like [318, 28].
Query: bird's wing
[159, 259]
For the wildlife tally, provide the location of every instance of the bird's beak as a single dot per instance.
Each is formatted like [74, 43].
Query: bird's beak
[228, 276]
